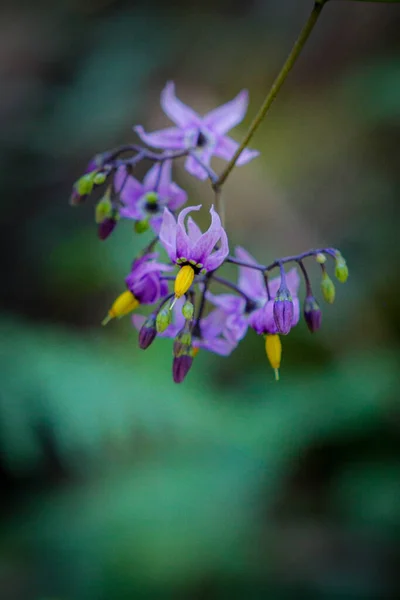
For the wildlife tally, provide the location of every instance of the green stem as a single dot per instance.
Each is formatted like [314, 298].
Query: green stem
[276, 86]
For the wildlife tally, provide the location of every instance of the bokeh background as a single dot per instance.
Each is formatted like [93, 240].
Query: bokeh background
[116, 483]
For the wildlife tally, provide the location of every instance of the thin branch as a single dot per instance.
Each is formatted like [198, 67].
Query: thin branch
[276, 86]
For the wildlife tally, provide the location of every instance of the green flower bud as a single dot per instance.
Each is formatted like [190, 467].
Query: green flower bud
[84, 185]
[341, 269]
[141, 226]
[327, 288]
[320, 258]
[188, 310]
[103, 209]
[163, 319]
[99, 178]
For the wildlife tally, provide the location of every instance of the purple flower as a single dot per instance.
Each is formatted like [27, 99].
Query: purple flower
[191, 247]
[147, 200]
[145, 282]
[235, 319]
[251, 282]
[204, 135]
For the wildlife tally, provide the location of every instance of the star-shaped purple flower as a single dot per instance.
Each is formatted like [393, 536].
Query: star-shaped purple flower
[145, 280]
[205, 136]
[191, 247]
[147, 200]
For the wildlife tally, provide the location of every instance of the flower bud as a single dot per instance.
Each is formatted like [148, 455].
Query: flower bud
[141, 226]
[104, 208]
[188, 310]
[163, 319]
[147, 332]
[181, 366]
[100, 177]
[183, 280]
[327, 288]
[106, 228]
[341, 269]
[312, 313]
[320, 258]
[273, 349]
[283, 310]
[182, 343]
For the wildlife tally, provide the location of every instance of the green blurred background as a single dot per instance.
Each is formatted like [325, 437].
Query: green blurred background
[115, 482]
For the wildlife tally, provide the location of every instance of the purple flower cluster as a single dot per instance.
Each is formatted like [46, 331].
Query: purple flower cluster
[185, 308]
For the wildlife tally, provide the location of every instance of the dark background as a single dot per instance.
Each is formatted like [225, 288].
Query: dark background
[116, 483]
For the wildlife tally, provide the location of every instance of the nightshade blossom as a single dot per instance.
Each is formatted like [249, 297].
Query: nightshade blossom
[147, 200]
[251, 282]
[193, 251]
[188, 246]
[145, 281]
[204, 135]
[145, 286]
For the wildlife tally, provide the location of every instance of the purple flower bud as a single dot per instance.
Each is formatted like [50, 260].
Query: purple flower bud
[181, 366]
[76, 198]
[106, 228]
[182, 343]
[147, 332]
[312, 313]
[283, 310]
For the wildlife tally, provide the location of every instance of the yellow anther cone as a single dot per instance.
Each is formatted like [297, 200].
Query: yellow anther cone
[273, 348]
[183, 280]
[123, 305]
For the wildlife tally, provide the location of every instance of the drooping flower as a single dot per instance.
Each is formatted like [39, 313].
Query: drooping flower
[206, 135]
[193, 251]
[145, 286]
[146, 201]
[251, 282]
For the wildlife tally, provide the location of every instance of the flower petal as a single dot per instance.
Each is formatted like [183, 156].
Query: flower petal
[223, 118]
[138, 321]
[175, 109]
[216, 259]
[262, 320]
[226, 148]
[194, 230]
[171, 138]
[168, 234]
[155, 223]
[184, 244]
[207, 241]
[193, 167]
[229, 303]
[219, 346]
[251, 281]
[153, 176]
[177, 197]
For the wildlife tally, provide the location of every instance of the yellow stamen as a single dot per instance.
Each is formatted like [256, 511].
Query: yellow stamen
[195, 351]
[273, 348]
[183, 280]
[123, 305]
